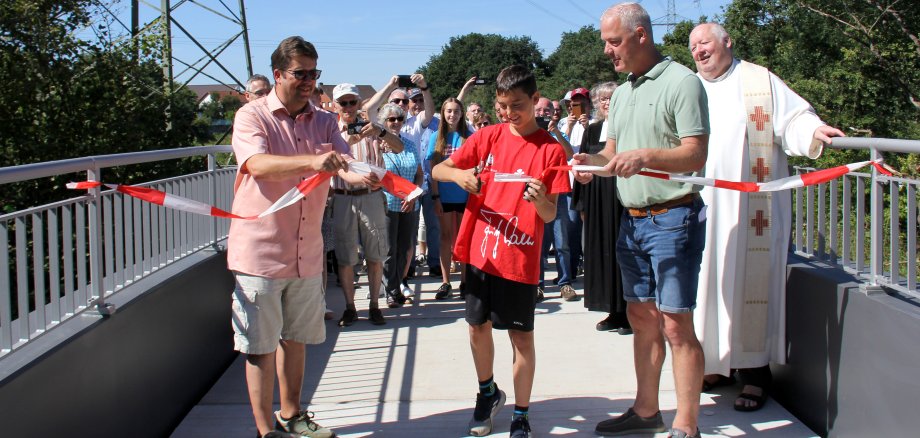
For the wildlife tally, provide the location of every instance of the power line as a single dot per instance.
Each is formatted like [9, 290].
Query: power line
[591, 17]
[551, 13]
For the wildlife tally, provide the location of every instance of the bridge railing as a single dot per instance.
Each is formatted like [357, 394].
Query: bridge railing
[67, 257]
[865, 223]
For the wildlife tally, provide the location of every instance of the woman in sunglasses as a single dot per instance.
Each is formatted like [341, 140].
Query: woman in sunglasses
[402, 216]
[449, 198]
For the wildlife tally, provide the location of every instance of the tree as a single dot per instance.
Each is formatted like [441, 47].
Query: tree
[886, 30]
[66, 97]
[480, 55]
[676, 43]
[579, 61]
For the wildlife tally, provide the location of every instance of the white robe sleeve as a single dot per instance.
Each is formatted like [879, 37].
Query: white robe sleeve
[795, 121]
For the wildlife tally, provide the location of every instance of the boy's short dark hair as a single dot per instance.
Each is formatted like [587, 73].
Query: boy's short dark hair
[516, 76]
[289, 48]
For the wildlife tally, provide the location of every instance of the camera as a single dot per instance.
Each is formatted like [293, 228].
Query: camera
[404, 81]
[543, 122]
[355, 128]
[480, 81]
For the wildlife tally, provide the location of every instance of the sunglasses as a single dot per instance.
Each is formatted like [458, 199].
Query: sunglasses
[395, 119]
[347, 103]
[400, 101]
[480, 125]
[301, 75]
[418, 100]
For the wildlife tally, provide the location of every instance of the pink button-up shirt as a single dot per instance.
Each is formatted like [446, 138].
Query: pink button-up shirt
[288, 243]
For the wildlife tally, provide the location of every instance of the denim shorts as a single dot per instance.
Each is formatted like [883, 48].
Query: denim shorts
[659, 257]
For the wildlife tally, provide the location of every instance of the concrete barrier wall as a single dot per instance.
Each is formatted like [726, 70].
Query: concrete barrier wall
[135, 373]
[852, 359]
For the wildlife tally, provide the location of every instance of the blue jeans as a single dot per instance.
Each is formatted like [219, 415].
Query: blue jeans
[557, 234]
[432, 232]
[660, 256]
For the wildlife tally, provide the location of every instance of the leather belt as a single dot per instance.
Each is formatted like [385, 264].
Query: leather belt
[358, 192]
[661, 208]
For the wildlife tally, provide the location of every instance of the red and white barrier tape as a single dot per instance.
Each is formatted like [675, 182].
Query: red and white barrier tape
[790, 182]
[392, 183]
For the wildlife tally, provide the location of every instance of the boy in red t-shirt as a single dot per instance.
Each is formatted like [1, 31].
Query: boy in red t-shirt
[501, 235]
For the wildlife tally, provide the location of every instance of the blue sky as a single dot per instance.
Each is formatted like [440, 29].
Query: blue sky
[368, 42]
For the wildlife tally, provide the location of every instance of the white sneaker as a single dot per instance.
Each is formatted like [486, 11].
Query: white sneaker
[407, 291]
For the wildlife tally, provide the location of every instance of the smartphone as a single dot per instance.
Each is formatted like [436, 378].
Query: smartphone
[543, 122]
[404, 81]
[355, 128]
[576, 109]
[480, 81]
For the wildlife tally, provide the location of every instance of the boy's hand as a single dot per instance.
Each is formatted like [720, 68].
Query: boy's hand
[469, 180]
[535, 191]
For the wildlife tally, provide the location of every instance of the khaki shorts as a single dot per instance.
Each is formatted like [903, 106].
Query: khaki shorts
[363, 219]
[266, 310]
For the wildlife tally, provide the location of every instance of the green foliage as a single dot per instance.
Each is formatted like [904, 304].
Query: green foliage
[480, 55]
[579, 61]
[66, 97]
[675, 43]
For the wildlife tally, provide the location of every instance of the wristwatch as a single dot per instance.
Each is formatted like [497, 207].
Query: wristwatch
[435, 197]
[425, 88]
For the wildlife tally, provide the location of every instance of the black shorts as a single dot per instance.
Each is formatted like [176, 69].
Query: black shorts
[453, 207]
[508, 304]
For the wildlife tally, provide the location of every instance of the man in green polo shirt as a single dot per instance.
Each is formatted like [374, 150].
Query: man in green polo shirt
[658, 120]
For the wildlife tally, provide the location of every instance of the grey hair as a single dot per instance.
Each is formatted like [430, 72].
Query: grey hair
[255, 78]
[601, 88]
[631, 15]
[389, 110]
[715, 29]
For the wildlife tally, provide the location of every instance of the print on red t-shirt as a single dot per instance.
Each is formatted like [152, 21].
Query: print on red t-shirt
[501, 233]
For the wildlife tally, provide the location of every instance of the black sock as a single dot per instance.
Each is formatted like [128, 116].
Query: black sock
[520, 411]
[487, 387]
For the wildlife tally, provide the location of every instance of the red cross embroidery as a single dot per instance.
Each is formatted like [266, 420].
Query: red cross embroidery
[760, 170]
[760, 222]
[759, 117]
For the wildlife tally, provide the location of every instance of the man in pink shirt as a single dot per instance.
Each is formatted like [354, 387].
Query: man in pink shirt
[280, 141]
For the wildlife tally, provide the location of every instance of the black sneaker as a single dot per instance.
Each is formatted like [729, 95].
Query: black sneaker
[540, 295]
[443, 292]
[376, 316]
[630, 423]
[395, 299]
[484, 413]
[349, 316]
[520, 427]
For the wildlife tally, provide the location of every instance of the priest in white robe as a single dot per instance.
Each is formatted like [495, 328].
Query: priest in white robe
[733, 336]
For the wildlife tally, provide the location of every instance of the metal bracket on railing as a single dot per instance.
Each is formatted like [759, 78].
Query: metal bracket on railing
[871, 289]
[104, 309]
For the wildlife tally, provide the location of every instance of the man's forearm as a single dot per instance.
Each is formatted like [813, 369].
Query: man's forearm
[276, 167]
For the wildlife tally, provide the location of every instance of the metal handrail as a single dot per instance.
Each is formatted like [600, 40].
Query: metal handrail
[875, 146]
[125, 239]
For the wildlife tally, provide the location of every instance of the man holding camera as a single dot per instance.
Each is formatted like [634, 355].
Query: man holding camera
[358, 206]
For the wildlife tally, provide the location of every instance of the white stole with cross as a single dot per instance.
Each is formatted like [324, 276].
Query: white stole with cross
[758, 101]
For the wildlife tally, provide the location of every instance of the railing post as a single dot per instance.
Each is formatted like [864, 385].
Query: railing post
[95, 244]
[876, 241]
[212, 198]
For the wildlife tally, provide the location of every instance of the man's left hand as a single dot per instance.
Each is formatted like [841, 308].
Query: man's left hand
[371, 181]
[419, 80]
[626, 164]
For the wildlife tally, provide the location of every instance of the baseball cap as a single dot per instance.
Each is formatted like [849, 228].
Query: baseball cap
[567, 97]
[414, 92]
[345, 89]
[581, 92]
